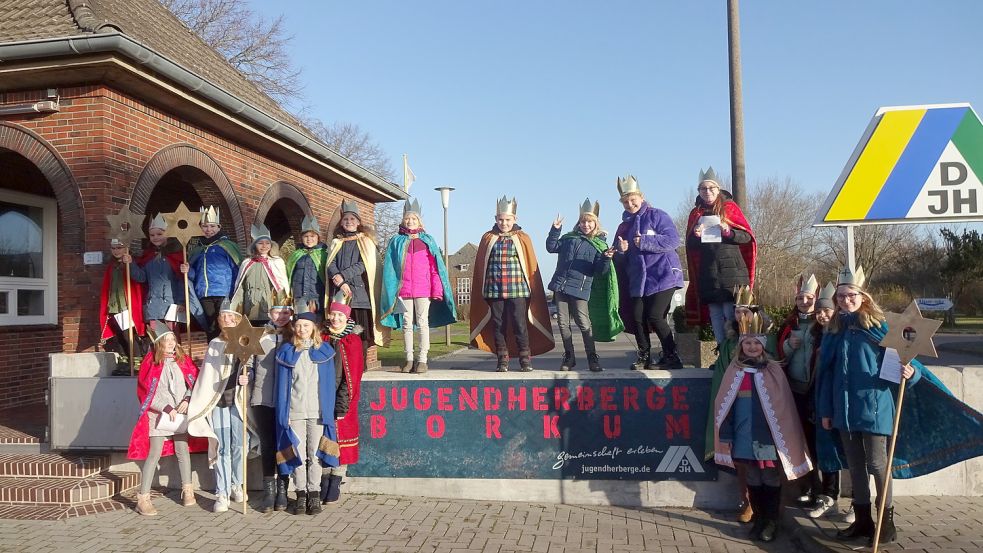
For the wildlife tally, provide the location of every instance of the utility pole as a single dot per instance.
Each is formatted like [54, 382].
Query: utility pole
[739, 185]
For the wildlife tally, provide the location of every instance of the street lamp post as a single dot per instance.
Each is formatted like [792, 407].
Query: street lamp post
[445, 200]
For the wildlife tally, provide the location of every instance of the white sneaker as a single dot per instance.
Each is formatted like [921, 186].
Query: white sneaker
[849, 516]
[221, 504]
[825, 505]
[237, 495]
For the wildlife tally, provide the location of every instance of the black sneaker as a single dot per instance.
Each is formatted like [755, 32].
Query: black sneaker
[594, 363]
[672, 362]
[525, 364]
[503, 364]
[568, 362]
[639, 363]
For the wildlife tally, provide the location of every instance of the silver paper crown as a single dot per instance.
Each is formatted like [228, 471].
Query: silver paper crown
[805, 285]
[157, 330]
[309, 224]
[115, 242]
[506, 206]
[853, 278]
[158, 222]
[709, 175]
[412, 207]
[586, 207]
[259, 231]
[628, 185]
[209, 215]
[349, 206]
[227, 307]
[825, 297]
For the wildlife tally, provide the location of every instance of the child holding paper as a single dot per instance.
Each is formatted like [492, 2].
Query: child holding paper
[167, 377]
[856, 401]
[113, 300]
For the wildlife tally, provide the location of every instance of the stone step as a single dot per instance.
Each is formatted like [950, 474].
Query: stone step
[52, 465]
[58, 491]
[58, 512]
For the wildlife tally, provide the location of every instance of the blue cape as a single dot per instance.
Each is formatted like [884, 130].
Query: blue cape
[288, 457]
[936, 429]
[442, 313]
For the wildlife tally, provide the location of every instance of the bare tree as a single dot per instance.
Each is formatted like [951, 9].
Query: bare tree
[878, 247]
[349, 140]
[255, 46]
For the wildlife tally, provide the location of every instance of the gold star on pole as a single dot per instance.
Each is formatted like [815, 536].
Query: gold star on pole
[910, 333]
[243, 340]
[124, 226]
[182, 224]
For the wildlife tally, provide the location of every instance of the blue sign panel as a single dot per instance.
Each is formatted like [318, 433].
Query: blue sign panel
[600, 429]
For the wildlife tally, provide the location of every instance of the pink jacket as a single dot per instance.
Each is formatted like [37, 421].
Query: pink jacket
[420, 278]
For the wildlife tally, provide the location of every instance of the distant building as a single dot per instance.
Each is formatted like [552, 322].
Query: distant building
[459, 269]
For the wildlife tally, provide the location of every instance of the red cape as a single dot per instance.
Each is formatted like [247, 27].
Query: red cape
[175, 259]
[136, 297]
[696, 313]
[349, 352]
[146, 387]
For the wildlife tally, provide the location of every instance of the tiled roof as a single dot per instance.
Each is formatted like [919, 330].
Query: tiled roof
[146, 21]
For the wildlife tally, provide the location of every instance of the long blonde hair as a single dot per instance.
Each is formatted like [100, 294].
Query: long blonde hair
[869, 315]
[159, 354]
[598, 231]
[298, 342]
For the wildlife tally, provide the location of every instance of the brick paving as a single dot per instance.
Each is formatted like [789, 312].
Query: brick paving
[390, 524]
[925, 525]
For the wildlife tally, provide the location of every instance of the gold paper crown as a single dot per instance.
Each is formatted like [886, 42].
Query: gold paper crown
[743, 295]
[209, 215]
[587, 208]
[282, 300]
[506, 206]
[806, 286]
[853, 278]
[628, 185]
[752, 325]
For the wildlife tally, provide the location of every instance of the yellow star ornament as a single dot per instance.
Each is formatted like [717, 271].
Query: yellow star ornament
[244, 340]
[910, 333]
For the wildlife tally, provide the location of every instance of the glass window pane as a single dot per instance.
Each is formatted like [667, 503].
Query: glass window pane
[4, 303]
[30, 302]
[21, 240]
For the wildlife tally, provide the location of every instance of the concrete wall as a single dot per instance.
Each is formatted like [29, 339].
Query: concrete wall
[964, 479]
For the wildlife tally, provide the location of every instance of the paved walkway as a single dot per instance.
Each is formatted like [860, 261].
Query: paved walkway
[390, 524]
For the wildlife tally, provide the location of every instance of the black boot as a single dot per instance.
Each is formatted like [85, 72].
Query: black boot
[269, 494]
[313, 504]
[300, 506]
[862, 527]
[280, 502]
[889, 532]
[641, 362]
[569, 361]
[325, 486]
[594, 363]
[503, 363]
[771, 498]
[334, 489]
[754, 494]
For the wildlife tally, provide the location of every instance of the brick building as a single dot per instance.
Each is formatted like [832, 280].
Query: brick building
[109, 103]
[460, 267]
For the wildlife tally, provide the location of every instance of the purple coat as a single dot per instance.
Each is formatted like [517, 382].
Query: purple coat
[653, 265]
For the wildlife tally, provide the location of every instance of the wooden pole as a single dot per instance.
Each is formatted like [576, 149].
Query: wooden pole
[187, 299]
[245, 439]
[129, 311]
[882, 500]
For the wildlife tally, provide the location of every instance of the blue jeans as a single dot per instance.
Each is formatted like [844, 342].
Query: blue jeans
[227, 425]
[720, 313]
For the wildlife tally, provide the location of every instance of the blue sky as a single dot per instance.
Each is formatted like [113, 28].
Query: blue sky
[550, 101]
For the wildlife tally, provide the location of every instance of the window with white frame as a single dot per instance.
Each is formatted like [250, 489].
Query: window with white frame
[28, 259]
[463, 290]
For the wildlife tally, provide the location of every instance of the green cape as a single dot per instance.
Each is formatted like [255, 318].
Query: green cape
[317, 255]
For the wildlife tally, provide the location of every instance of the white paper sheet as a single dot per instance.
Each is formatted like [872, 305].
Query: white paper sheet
[176, 313]
[711, 229]
[123, 319]
[891, 366]
[177, 425]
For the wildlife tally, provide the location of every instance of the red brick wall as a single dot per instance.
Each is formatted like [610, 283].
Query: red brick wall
[107, 138]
